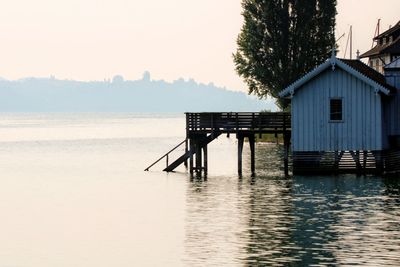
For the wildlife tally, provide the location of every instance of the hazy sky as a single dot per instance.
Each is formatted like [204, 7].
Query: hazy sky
[96, 39]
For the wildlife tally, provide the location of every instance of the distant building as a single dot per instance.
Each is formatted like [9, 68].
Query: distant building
[146, 76]
[387, 49]
[117, 79]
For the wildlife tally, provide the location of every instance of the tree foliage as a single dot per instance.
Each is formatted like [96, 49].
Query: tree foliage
[281, 40]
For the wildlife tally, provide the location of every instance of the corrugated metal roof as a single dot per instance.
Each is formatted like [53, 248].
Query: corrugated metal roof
[368, 72]
[394, 65]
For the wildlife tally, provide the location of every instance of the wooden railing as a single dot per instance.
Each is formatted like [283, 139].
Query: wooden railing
[166, 155]
[233, 122]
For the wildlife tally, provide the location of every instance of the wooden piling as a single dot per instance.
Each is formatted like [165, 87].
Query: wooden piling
[378, 162]
[286, 144]
[198, 156]
[187, 115]
[205, 152]
[240, 153]
[252, 152]
[365, 156]
[186, 150]
[191, 155]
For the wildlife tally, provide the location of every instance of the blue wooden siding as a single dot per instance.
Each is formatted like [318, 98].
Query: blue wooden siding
[392, 107]
[392, 111]
[361, 128]
[393, 78]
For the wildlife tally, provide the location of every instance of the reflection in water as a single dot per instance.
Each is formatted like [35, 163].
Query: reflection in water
[272, 220]
[73, 193]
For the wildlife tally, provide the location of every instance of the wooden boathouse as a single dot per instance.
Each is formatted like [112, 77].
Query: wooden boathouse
[203, 128]
[346, 114]
[345, 118]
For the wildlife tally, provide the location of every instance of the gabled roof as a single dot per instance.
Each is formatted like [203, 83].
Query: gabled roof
[394, 65]
[354, 67]
[390, 48]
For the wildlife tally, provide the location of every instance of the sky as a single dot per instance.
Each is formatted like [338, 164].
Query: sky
[97, 39]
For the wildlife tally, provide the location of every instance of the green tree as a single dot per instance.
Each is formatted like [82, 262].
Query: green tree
[281, 40]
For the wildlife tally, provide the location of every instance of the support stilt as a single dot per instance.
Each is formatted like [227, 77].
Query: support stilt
[365, 155]
[186, 150]
[252, 152]
[191, 156]
[240, 153]
[379, 162]
[205, 151]
[356, 157]
[358, 163]
[286, 144]
[198, 156]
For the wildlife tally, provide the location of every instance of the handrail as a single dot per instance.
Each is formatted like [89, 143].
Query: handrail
[166, 155]
[234, 122]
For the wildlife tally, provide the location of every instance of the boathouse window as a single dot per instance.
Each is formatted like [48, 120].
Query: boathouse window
[336, 109]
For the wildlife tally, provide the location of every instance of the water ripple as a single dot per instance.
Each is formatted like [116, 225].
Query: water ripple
[275, 221]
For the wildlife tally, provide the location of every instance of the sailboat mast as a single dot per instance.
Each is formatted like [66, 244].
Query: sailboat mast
[351, 42]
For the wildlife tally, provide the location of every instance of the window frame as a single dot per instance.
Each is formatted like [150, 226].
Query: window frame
[330, 113]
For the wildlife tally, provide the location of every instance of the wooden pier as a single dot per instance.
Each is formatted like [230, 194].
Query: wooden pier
[203, 128]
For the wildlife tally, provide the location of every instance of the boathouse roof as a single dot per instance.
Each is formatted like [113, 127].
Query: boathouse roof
[369, 72]
[354, 67]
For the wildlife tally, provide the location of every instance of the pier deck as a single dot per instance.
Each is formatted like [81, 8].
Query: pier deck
[202, 128]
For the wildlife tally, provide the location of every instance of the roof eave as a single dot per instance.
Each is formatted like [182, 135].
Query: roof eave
[290, 90]
[375, 85]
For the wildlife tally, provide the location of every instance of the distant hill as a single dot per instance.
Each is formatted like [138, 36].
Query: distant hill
[118, 95]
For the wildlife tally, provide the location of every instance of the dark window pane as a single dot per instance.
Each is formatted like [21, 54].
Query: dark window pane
[336, 109]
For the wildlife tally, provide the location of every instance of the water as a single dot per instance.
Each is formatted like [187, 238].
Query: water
[73, 193]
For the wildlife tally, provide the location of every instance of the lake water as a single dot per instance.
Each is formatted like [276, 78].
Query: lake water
[73, 193]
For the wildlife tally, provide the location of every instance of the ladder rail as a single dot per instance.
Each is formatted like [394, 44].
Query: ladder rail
[166, 155]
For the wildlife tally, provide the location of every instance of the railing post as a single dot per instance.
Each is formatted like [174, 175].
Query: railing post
[252, 121]
[228, 127]
[237, 123]
[212, 124]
